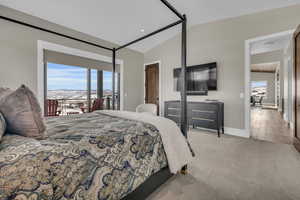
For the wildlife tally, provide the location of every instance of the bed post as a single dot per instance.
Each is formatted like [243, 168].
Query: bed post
[183, 80]
[113, 79]
[184, 122]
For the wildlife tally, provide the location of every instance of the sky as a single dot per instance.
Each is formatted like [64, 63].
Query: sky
[74, 78]
[255, 84]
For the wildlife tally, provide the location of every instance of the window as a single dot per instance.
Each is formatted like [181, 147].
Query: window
[259, 88]
[76, 88]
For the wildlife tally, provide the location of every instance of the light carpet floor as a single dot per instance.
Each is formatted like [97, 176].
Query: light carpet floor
[235, 169]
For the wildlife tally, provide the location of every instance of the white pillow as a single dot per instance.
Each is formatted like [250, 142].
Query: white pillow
[148, 113]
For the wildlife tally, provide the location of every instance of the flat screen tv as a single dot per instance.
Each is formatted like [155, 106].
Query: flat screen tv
[200, 78]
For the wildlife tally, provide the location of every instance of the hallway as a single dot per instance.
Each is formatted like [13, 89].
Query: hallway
[268, 125]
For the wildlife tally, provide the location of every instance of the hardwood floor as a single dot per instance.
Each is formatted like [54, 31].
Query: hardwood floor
[268, 125]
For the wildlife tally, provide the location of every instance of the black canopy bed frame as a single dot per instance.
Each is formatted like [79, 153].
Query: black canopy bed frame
[156, 180]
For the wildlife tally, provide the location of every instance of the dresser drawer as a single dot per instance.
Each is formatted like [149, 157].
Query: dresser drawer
[202, 122]
[175, 118]
[173, 104]
[207, 114]
[173, 110]
[203, 106]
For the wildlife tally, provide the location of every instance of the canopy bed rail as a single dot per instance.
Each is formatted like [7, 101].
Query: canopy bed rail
[150, 34]
[159, 178]
[173, 9]
[182, 21]
[54, 32]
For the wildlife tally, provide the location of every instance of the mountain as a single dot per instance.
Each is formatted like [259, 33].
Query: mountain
[74, 94]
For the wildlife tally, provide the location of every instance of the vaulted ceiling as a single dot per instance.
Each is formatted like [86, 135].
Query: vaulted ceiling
[121, 21]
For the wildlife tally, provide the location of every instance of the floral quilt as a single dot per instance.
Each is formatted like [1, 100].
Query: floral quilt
[91, 156]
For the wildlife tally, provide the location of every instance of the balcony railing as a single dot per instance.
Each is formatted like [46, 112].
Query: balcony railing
[78, 106]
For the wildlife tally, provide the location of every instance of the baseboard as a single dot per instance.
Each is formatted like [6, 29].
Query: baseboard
[292, 126]
[285, 118]
[236, 132]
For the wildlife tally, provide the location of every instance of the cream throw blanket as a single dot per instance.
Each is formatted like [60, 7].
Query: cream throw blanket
[175, 144]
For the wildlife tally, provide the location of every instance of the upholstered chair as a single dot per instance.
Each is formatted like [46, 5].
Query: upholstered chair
[147, 108]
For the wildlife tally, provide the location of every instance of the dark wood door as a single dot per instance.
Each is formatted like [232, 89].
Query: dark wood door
[152, 84]
[297, 84]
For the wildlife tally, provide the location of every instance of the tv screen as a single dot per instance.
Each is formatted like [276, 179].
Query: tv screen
[200, 78]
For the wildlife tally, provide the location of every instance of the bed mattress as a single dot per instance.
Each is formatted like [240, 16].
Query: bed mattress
[89, 156]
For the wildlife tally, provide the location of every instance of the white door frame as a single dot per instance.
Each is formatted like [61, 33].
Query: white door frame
[160, 84]
[247, 74]
[44, 45]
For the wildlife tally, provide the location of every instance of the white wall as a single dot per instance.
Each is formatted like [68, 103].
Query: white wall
[18, 55]
[223, 42]
[288, 83]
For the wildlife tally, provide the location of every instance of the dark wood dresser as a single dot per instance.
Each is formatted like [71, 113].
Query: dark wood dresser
[206, 114]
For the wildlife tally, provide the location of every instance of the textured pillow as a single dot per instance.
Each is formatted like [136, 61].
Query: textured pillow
[4, 92]
[2, 126]
[22, 113]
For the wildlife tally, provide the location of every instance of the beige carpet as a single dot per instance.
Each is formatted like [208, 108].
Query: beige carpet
[236, 169]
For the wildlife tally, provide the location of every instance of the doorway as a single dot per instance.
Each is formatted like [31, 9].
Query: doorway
[297, 88]
[267, 96]
[152, 86]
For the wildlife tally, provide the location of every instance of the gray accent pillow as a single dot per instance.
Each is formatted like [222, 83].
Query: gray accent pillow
[22, 113]
[2, 126]
[4, 92]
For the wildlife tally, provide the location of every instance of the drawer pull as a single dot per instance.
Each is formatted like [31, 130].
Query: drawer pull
[203, 119]
[173, 108]
[203, 111]
[172, 115]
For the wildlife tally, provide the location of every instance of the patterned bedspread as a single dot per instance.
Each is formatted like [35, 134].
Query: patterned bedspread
[90, 156]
